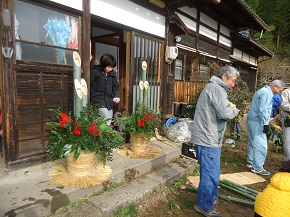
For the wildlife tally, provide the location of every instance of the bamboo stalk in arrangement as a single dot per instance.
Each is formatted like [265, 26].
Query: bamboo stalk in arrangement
[145, 83]
[78, 93]
[85, 92]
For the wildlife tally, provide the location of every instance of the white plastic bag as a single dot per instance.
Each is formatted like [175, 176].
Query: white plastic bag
[179, 132]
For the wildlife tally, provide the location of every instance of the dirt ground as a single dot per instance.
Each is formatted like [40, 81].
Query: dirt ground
[174, 201]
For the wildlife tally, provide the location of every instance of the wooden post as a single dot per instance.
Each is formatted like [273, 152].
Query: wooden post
[85, 44]
[8, 85]
[141, 86]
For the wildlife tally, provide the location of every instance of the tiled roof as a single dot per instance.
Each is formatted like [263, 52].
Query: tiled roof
[253, 13]
[246, 36]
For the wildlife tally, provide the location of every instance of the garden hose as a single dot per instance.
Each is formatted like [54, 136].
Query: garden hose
[170, 121]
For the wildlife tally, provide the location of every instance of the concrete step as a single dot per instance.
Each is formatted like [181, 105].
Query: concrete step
[30, 192]
[106, 203]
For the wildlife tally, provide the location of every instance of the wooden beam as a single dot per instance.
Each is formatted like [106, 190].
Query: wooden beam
[107, 40]
[86, 43]
[9, 129]
[112, 35]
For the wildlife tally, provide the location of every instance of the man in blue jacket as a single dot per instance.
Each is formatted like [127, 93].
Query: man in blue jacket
[213, 110]
[258, 125]
[277, 100]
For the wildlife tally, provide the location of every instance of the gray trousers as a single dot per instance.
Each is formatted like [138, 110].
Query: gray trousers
[107, 113]
[286, 141]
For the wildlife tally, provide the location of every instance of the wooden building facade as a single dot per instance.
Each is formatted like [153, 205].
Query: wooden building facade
[39, 37]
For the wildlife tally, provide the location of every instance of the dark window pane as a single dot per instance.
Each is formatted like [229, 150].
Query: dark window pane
[40, 25]
[46, 54]
[188, 70]
[178, 69]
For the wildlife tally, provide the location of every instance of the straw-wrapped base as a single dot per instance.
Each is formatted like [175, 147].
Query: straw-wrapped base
[140, 147]
[82, 173]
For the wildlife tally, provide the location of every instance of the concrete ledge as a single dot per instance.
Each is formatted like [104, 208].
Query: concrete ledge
[135, 190]
[32, 193]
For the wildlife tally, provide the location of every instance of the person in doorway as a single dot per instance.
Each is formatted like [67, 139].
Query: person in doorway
[258, 125]
[212, 112]
[285, 112]
[274, 200]
[105, 86]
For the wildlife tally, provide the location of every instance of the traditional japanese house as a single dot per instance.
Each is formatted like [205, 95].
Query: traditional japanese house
[177, 39]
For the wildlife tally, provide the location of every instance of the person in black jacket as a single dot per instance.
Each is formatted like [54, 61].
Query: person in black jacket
[105, 86]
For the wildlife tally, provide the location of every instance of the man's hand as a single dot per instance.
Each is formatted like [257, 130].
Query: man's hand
[266, 129]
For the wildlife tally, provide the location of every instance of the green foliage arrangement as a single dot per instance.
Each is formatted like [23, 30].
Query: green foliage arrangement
[240, 95]
[143, 120]
[88, 132]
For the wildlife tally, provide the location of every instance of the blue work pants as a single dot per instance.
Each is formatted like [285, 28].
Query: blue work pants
[257, 145]
[209, 161]
[236, 124]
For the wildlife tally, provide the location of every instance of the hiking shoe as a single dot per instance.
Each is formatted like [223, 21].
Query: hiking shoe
[210, 213]
[238, 138]
[249, 165]
[261, 172]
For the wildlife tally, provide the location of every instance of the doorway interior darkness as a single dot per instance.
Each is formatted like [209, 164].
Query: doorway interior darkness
[104, 41]
[131, 49]
[107, 39]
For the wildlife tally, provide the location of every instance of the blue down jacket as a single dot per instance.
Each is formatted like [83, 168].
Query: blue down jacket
[104, 87]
